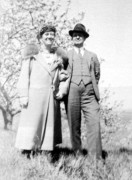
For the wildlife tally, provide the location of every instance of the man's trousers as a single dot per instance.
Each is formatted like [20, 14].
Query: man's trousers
[82, 98]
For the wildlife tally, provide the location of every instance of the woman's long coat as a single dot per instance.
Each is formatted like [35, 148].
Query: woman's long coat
[40, 123]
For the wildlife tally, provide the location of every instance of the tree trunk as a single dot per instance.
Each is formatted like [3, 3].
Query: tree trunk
[4, 113]
[8, 118]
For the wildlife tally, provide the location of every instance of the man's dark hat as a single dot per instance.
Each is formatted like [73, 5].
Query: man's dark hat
[79, 28]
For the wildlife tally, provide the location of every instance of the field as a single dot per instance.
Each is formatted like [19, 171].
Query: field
[63, 165]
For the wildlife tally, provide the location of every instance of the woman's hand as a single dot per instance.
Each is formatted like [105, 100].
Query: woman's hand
[63, 76]
[24, 102]
[59, 61]
[59, 95]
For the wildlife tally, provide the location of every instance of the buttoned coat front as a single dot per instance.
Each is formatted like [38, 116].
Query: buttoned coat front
[40, 122]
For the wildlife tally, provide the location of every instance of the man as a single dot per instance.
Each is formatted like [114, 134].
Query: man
[84, 70]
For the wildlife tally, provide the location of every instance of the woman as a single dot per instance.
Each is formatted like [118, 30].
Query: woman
[39, 88]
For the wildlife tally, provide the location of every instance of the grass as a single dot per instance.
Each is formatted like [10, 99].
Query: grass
[62, 164]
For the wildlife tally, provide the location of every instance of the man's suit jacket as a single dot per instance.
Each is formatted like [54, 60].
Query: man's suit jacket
[93, 65]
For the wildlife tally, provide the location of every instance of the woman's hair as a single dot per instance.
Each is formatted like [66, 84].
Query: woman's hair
[45, 28]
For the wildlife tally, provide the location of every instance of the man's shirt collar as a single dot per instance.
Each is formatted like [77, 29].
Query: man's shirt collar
[79, 50]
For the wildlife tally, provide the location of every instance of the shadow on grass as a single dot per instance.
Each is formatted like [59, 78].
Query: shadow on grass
[104, 154]
[56, 154]
[59, 152]
[125, 150]
[122, 150]
[65, 151]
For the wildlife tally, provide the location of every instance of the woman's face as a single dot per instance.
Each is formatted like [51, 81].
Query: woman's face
[48, 38]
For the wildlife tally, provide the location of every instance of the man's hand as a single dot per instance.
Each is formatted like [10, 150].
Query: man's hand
[24, 102]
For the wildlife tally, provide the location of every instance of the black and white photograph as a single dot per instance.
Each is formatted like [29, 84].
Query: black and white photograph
[65, 90]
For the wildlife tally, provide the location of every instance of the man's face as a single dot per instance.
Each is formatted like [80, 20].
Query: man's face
[48, 38]
[78, 38]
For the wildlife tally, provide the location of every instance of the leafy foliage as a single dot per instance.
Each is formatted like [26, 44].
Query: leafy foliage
[110, 116]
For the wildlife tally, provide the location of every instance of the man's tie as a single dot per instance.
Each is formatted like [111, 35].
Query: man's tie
[79, 52]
